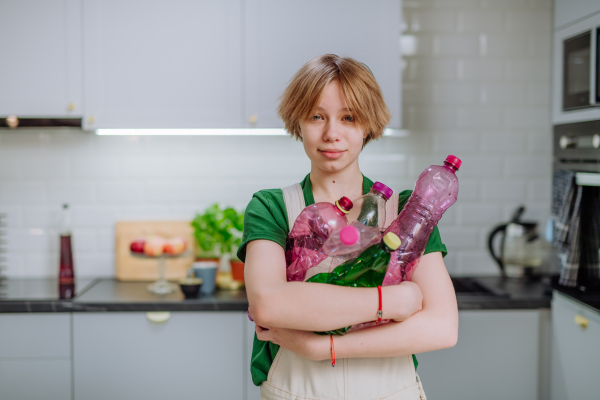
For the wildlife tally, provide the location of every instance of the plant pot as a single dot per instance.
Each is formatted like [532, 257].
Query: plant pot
[237, 270]
[207, 258]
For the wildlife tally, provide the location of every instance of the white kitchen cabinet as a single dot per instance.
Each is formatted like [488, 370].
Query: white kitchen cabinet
[569, 11]
[281, 36]
[252, 392]
[41, 67]
[162, 64]
[35, 356]
[575, 350]
[192, 355]
[496, 357]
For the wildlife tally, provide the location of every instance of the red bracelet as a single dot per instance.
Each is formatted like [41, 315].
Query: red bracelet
[332, 352]
[380, 310]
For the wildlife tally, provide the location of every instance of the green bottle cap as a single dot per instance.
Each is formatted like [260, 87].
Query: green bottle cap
[391, 240]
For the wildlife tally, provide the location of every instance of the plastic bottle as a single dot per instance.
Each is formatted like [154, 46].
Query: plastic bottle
[66, 274]
[366, 270]
[350, 239]
[435, 191]
[312, 228]
[372, 206]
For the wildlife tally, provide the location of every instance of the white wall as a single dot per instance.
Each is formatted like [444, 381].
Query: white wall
[476, 86]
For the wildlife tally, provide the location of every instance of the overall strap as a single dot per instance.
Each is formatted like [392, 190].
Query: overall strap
[294, 203]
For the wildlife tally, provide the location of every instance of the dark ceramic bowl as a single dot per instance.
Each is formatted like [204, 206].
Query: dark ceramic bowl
[190, 287]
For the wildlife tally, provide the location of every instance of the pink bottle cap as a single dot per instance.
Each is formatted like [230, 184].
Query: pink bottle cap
[345, 204]
[383, 189]
[349, 235]
[454, 161]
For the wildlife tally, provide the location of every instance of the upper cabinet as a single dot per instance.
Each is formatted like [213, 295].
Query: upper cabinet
[569, 11]
[40, 53]
[281, 36]
[162, 64]
[182, 64]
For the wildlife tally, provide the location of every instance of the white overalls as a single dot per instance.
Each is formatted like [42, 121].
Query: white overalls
[292, 377]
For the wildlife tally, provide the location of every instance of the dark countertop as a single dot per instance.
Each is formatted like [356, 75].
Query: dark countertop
[102, 295]
[591, 299]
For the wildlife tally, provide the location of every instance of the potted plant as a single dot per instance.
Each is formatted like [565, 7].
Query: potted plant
[218, 232]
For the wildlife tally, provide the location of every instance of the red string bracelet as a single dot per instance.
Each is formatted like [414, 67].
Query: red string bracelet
[379, 310]
[332, 352]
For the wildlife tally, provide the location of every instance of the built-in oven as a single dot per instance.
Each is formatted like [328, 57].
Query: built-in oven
[576, 203]
[576, 65]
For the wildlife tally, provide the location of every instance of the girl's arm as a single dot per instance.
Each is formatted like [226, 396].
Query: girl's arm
[433, 328]
[274, 302]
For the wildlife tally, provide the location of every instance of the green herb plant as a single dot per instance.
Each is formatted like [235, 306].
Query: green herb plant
[218, 231]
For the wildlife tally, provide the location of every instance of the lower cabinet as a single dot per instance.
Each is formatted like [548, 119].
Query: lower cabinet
[35, 356]
[252, 392]
[575, 350]
[187, 355]
[496, 357]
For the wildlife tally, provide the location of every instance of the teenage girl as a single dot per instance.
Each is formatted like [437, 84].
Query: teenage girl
[334, 106]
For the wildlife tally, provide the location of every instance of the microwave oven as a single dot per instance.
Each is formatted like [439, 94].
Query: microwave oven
[576, 79]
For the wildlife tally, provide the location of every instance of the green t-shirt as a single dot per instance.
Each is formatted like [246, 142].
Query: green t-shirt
[266, 218]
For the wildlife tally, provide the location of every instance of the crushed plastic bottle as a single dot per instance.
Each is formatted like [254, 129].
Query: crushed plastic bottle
[312, 228]
[435, 191]
[351, 239]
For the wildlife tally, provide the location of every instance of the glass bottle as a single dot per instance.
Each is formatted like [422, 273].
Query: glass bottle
[66, 275]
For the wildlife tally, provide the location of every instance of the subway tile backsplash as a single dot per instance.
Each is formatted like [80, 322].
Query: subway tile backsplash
[477, 85]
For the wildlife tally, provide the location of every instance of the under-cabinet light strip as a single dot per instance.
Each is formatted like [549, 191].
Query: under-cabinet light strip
[214, 132]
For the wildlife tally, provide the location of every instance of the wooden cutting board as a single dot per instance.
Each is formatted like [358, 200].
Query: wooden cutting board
[130, 268]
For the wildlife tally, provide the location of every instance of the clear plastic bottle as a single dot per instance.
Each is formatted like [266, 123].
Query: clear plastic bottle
[66, 273]
[371, 207]
[435, 191]
[312, 228]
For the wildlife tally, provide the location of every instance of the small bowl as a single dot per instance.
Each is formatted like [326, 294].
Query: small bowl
[190, 287]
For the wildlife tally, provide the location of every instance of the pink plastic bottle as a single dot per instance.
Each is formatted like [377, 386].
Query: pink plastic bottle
[351, 239]
[310, 231]
[435, 191]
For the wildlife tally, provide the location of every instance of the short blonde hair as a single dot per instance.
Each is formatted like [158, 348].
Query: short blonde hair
[360, 92]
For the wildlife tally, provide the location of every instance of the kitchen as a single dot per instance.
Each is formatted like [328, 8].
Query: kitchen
[478, 79]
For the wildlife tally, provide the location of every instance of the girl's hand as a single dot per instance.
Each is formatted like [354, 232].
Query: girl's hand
[401, 301]
[304, 343]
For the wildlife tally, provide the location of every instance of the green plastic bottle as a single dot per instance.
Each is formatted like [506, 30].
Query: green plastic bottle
[366, 270]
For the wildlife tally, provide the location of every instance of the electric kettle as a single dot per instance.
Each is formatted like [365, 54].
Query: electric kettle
[522, 250]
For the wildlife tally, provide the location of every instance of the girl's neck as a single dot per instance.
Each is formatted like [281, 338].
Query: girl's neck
[330, 186]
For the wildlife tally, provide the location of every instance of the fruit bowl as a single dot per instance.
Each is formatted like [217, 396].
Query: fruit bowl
[159, 249]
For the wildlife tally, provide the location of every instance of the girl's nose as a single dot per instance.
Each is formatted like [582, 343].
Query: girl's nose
[331, 133]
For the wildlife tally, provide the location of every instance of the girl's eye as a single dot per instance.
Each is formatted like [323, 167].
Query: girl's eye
[316, 117]
[348, 118]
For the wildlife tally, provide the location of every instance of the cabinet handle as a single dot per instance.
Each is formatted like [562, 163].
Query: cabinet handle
[158, 317]
[71, 106]
[252, 119]
[91, 120]
[581, 321]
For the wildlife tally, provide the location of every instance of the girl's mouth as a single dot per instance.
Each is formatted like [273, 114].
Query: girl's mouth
[332, 154]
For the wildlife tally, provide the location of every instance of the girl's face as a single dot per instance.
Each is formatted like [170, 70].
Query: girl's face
[332, 139]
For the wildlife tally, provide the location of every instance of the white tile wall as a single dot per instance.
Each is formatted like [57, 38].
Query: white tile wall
[477, 86]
